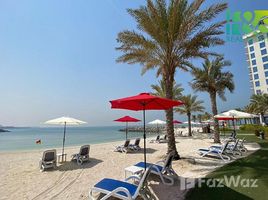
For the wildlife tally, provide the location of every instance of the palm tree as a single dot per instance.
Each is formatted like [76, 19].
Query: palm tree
[260, 104]
[207, 116]
[169, 35]
[160, 90]
[251, 108]
[194, 118]
[199, 117]
[213, 80]
[191, 104]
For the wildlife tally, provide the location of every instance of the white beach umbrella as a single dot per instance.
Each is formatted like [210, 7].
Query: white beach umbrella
[236, 115]
[65, 121]
[192, 122]
[157, 122]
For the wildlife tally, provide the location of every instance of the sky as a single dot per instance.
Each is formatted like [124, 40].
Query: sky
[58, 58]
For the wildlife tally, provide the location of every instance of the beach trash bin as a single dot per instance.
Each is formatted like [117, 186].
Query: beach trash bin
[262, 135]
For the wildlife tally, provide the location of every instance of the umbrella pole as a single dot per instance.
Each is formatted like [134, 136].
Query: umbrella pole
[144, 137]
[126, 129]
[63, 142]
[234, 125]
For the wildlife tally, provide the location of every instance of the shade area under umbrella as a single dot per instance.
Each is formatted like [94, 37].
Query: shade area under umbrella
[144, 101]
[65, 121]
[157, 122]
[127, 119]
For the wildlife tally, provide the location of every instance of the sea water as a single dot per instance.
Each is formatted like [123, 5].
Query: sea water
[25, 138]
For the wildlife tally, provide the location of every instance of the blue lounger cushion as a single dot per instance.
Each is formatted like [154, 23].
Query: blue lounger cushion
[142, 165]
[111, 184]
[219, 147]
[211, 151]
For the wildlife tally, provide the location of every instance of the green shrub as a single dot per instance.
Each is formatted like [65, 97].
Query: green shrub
[254, 128]
[226, 129]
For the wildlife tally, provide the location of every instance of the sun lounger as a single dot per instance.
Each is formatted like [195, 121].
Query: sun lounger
[49, 160]
[241, 146]
[162, 140]
[220, 153]
[232, 136]
[162, 168]
[122, 189]
[83, 155]
[123, 148]
[156, 140]
[231, 148]
[136, 145]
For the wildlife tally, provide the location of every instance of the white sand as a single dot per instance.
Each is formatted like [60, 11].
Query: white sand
[20, 177]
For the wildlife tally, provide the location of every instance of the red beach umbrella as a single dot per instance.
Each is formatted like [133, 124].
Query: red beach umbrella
[127, 119]
[144, 101]
[177, 122]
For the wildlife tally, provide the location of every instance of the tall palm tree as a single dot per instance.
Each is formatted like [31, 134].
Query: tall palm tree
[260, 104]
[191, 104]
[212, 79]
[168, 36]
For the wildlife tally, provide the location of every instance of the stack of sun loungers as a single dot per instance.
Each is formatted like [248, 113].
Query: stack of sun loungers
[127, 147]
[128, 191]
[231, 148]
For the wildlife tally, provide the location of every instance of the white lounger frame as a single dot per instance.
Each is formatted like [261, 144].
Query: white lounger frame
[142, 189]
[220, 153]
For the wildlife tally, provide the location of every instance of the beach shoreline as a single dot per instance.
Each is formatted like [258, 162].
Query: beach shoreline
[21, 178]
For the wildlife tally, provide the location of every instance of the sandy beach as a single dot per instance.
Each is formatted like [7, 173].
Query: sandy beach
[21, 179]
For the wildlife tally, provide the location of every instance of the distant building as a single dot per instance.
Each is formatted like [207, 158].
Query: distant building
[256, 45]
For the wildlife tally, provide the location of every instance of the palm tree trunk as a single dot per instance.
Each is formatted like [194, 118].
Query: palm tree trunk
[169, 118]
[215, 112]
[189, 124]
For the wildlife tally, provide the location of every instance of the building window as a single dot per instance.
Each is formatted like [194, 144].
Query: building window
[266, 74]
[255, 69]
[263, 52]
[252, 55]
[256, 76]
[265, 66]
[265, 59]
[262, 44]
[253, 62]
[266, 81]
[250, 42]
[261, 37]
[258, 91]
[251, 48]
[257, 83]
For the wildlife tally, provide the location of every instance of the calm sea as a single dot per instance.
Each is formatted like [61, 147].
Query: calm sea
[25, 138]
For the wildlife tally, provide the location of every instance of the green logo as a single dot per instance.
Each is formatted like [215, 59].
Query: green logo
[240, 23]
